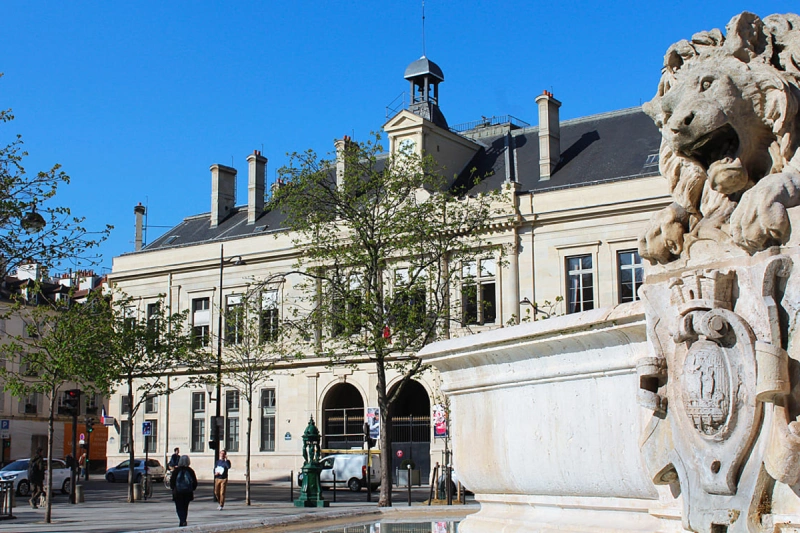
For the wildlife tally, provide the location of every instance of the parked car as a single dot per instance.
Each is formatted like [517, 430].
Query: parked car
[17, 472]
[350, 470]
[120, 472]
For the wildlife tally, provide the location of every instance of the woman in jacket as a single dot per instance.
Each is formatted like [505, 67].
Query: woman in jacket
[183, 484]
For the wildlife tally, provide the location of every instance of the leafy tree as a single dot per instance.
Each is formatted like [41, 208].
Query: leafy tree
[61, 345]
[26, 199]
[144, 345]
[252, 347]
[382, 241]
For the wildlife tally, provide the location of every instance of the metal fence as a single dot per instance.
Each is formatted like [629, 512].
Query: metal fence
[6, 499]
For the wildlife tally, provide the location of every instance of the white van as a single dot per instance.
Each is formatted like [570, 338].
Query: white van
[350, 470]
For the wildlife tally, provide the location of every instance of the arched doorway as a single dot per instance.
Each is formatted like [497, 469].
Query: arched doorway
[411, 427]
[343, 418]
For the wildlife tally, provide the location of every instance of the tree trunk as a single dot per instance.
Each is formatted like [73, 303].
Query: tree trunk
[385, 499]
[130, 442]
[247, 459]
[49, 505]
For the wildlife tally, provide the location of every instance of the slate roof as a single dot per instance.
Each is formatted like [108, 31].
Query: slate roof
[610, 146]
[606, 147]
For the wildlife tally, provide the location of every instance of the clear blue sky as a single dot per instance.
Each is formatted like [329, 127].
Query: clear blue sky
[137, 99]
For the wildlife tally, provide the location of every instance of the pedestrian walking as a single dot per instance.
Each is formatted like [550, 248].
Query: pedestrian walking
[36, 469]
[82, 464]
[183, 484]
[221, 478]
[173, 461]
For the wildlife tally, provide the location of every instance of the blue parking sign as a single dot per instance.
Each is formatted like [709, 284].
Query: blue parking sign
[5, 424]
[147, 429]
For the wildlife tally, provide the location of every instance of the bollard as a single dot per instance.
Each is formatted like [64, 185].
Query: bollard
[434, 484]
[334, 485]
[291, 485]
[137, 492]
[79, 494]
[408, 466]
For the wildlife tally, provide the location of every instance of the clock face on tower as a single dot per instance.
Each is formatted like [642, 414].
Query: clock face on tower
[407, 146]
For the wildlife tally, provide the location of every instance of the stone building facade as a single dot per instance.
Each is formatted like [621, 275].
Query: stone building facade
[584, 190]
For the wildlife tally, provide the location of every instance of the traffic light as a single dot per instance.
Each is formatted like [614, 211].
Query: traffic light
[72, 402]
[89, 424]
[213, 444]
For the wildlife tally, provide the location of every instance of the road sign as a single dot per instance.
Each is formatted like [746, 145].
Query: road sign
[147, 429]
[5, 435]
[82, 437]
[5, 425]
[399, 454]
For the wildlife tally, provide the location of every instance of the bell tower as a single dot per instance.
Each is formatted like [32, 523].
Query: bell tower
[425, 76]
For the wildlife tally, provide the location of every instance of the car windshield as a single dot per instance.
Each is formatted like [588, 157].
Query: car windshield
[21, 464]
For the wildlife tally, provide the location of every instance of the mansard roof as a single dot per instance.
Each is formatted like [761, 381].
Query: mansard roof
[607, 147]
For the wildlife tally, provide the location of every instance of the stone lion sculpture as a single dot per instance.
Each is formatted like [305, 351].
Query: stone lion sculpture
[727, 108]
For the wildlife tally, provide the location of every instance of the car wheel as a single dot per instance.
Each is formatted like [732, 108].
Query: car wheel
[354, 485]
[110, 477]
[24, 488]
[66, 487]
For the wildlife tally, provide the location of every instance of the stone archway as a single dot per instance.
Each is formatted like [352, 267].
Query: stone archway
[411, 427]
[342, 418]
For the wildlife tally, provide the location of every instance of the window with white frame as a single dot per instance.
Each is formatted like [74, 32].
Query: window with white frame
[234, 319]
[124, 435]
[91, 402]
[268, 409]
[198, 421]
[580, 283]
[631, 275]
[269, 316]
[124, 404]
[478, 291]
[347, 308]
[201, 320]
[153, 318]
[232, 420]
[151, 404]
[29, 404]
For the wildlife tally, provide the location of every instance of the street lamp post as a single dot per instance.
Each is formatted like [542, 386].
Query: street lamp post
[236, 261]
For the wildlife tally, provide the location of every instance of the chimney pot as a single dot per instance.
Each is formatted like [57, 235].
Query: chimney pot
[138, 212]
[256, 183]
[223, 193]
[549, 134]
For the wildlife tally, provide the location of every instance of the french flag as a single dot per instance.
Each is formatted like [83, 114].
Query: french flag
[103, 415]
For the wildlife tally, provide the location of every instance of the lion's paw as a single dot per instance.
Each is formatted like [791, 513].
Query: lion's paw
[759, 221]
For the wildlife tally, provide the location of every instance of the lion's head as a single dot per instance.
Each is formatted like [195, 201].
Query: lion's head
[727, 108]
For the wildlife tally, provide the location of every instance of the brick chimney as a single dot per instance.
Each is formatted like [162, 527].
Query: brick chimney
[549, 135]
[256, 182]
[139, 212]
[223, 193]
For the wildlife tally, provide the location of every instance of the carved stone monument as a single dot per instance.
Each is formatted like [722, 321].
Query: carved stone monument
[711, 355]
[722, 378]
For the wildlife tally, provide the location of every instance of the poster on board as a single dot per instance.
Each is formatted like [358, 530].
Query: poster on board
[374, 421]
[439, 421]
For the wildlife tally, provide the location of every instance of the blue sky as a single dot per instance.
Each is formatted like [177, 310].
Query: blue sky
[137, 99]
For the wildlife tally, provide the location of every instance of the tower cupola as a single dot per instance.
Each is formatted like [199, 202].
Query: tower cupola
[425, 76]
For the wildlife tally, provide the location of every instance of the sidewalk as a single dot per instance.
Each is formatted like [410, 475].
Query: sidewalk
[114, 515]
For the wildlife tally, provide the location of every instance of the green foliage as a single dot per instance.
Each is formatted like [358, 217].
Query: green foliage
[63, 239]
[381, 239]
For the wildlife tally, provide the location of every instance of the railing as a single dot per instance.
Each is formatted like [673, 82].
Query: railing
[6, 500]
[411, 428]
[486, 122]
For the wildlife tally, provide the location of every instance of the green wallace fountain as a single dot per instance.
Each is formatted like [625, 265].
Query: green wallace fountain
[678, 412]
[311, 491]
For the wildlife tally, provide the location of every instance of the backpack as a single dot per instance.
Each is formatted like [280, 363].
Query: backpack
[183, 482]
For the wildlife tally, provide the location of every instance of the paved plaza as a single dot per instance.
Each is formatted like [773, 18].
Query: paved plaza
[106, 510]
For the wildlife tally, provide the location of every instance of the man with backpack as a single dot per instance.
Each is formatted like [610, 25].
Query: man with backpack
[36, 469]
[183, 484]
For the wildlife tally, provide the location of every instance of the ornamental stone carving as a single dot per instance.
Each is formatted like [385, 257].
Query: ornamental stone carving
[727, 107]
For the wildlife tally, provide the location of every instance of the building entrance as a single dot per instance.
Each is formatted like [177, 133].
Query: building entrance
[411, 428]
[343, 418]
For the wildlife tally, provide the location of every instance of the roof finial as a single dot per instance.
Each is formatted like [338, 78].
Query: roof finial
[423, 28]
